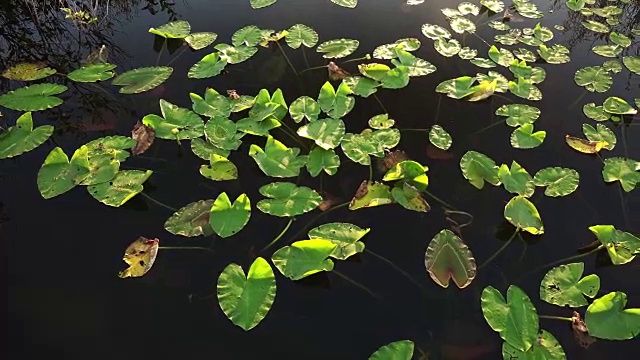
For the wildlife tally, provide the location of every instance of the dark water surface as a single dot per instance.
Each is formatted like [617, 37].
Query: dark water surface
[63, 254]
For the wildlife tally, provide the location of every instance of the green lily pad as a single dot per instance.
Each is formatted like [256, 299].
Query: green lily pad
[466, 53]
[361, 86]
[524, 138]
[621, 246]
[389, 78]
[467, 8]
[359, 147]
[516, 179]
[447, 258]
[397, 350]
[518, 114]
[300, 34]
[556, 54]
[28, 71]
[525, 55]
[33, 98]
[409, 197]
[478, 168]
[212, 105]
[346, 3]
[620, 39]
[411, 171]
[371, 194]
[114, 147]
[327, 133]
[525, 89]
[542, 33]
[321, 159]
[248, 36]
[336, 104]
[174, 30]
[522, 214]
[594, 78]
[435, 32]
[575, 5]
[221, 132]
[102, 168]
[501, 82]
[191, 220]
[22, 138]
[246, 300]
[559, 181]
[338, 48]
[92, 73]
[228, 219]
[125, 185]
[632, 63]
[277, 160]
[595, 26]
[546, 347]
[304, 107]
[495, 6]
[594, 112]
[176, 123]
[618, 106]
[457, 88]
[502, 57]
[462, 24]
[142, 79]
[414, 65]
[564, 285]
[210, 66]
[388, 51]
[58, 175]
[612, 66]
[450, 13]
[600, 133]
[304, 258]
[607, 318]
[235, 54]
[611, 51]
[515, 319]
[381, 121]
[258, 4]
[446, 47]
[346, 236]
[483, 63]
[440, 138]
[200, 40]
[219, 169]
[287, 199]
[626, 171]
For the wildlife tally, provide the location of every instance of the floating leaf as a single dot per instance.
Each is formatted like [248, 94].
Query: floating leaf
[287, 199]
[327, 133]
[140, 256]
[337, 48]
[501, 82]
[595, 26]
[115, 147]
[542, 33]
[142, 79]
[398, 350]
[92, 73]
[144, 137]
[258, 4]
[371, 194]
[467, 53]
[483, 90]
[611, 51]
[585, 146]
[388, 51]
[304, 258]
[524, 138]
[28, 71]
[415, 66]
[440, 138]
[457, 88]
[556, 54]
[345, 236]
[447, 47]
[200, 40]
[409, 197]
[174, 30]
[607, 318]
[220, 169]
[221, 132]
[33, 98]
[235, 54]
[525, 55]
[246, 300]
[515, 319]
[564, 285]
[304, 107]
[612, 66]
[361, 86]
[248, 35]
[478, 168]
[408, 170]
[516, 179]
[501, 57]
[483, 63]
[594, 112]
[450, 13]
[466, 8]
[601, 133]
[615, 105]
[300, 34]
[228, 219]
[176, 123]
[22, 138]
[346, 3]
[522, 214]
[559, 181]
[495, 6]
[210, 66]
[546, 347]
[621, 246]
[359, 147]
[212, 105]
[277, 160]
[626, 171]
[381, 121]
[518, 114]
[58, 175]
[632, 63]
[447, 258]
[125, 185]
[191, 220]
[576, 5]
[435, 32]
[594, 78]
[321, 159]
[461, 25]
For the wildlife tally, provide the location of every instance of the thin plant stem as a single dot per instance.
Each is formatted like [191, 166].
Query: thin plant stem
[487, 127]
[396, 267]
[438, 109]
[304, 56]
[442, 202]
[504, 246]
[381, 104]
[483, 40]
[319, 216]
[424, 130]
[291, 134]
[312, 68]
[158, 202]
[279, 235]
[177, 56]
[287, 58]
[284, 130]
[567, 259]
[555, 317]
[358, 59]
[183, 248]
[164, 42]
[370, 171]
[356, 284]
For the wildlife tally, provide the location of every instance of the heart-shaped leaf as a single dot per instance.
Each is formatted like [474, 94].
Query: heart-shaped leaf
[522, 214]
[337, 48]
[219, 169]
[125, 185]
[28, 71]
[33, 98]
[564, 285]
[176, 123]
[246, 300]
[178, 29]
[585, 146]
[478, 168]
[625, 170]
[222, 133]
[346, 3]
[204, 149]
[595, 26]
[22, 138]
[327, 133]
[409, 170]
[228, 219]
[277, 160]
[448, 258]
[345, 236]
[287, 200]
[524, 138]
[495, 6]
[440, 138]
[516, 179]
[621, 246]
[457, 88]
[210, 66]
[304, 258]
[435, 32]
[140, 256]
[397, 350]
[518, 114]
[142, 79]
[594, 112]
[409, 197]
[304, 107]
[58, 175]
[599, 134]
[300, 34]
[370, 194]
[461, 24]
[607, 318]
[212, 105]
[235, 54]
[615, 105]
[546, 347]
[594, 78]
[361, 86]
[191, 220]
[200, 40]
[559, 181]
[248, 36]
[632, 63]
[258, 4]
[92, 73]
[321, 159]
[446, 47]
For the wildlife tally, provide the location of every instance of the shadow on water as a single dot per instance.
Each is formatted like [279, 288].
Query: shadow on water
[63, 254]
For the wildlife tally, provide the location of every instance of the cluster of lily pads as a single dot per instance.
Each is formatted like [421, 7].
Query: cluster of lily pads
[231, 118]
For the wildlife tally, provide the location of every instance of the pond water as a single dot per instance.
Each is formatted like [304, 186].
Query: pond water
[63, 255]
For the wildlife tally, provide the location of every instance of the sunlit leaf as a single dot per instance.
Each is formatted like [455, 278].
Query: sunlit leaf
[559, 181]
[516, 179]
[565, 286]
[277, 160]
[176, 123]
[621, 246]
[600, 133]
[212, 105]
[448, 258]
[398, 350]
[501, 82]
[415, 66]
[210, 66]
[235, 54]
[345, 236]
[594, 78]
[200, 40]
[440, 138]
[626, 171]
[409, 197]
[327, 133]
[58, 174]
[618, 106]
[556, 54]
[321, 159]
[457, 88]
[346, 3]
[462, 24]
[447, 47]
[612, 66]
[22, 137]
[178, 29]
[522, 214]
[483, 63]
[140, 256]
[92, 73]
[28, 71]
[608, 319]
[408, 170]
[142, 79]
[258, 4]
[632, 63]
[518, 114]
[286, 199]
[371, 194]
[249, 36]
[435, 32]
[483, 90]
[595, 26]
[466, 53]
[361, 86]
[304, 107]
[388, 51]
[501, 57]
[611, 51]
[304, 258]
[594, 112]
[125, 185]
[337, 48]
[33, 98]
[300, 34]
[381, 121]
[495, 6]
[546, 347]
[478, 168]
[228, 219]
[524, 138]
[191, 220]
[219, 169]
[585, 146]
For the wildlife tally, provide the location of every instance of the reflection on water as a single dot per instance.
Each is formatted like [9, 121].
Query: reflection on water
[64, 254]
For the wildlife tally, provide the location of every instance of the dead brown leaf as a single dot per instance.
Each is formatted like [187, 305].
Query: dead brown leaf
[580, 331]
[144, 136]
[336, 73]
[140, 256]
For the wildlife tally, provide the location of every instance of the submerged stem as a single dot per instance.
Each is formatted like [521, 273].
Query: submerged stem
[319, 216]
[287, 58]
[557, 262]
[158, 202]
[380, 103]
[355, 283]
[279, 235]
[396, 267]
[555, 317]
[504, 246]
[442, 202]
[357, 59]
[185, 47]
[164, 42]
[183, 248]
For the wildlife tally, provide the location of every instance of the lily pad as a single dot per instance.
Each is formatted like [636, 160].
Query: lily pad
[338, 48]
[632, 63]
[584, 146]
[346, 236]
[210, 66]
[462, 24]
[618, 106]
[626, 171]
[478, 168]
[446, 47]
[594, 112]
[300, 34]
[556, 54]
[58, 175]
[33, 98]
[304, 107]
[516, 179]
[277, 160]
[397, 350]
[408, 170]
[140, 255]
[235, 54]
[92, 73]
[524, 138]
[212, 105]
[125, 185]
[361, 86]
[200, 40]
[409, 197]
[191, 220]
[221, 132]
[447, 258]
[322, 160]
[388, 51]
[595, 26]
[466, 53]
[502, 57]
[565, 286]
[304, 258]
[371, 194]
[381, 121]
[515, 319]
[142, 79]
[246, 300]
[594, 78]
[600, 133]
[495, 6]
[414, 65]
[440, 138]
[457, 88]
[228, 219]
[559, 181]
[518, 114]
[176, 123]
[249, 36]
[435, 32]
[22, 138]
[219, 169]
[611, 51]
[612, 66]
[258, 4]
[346, 3]
[327, 133]
[287, 200]
[28, 71]
[608, 319]
[546, 347]
[174, 30]
[522, 214]
[621, 246]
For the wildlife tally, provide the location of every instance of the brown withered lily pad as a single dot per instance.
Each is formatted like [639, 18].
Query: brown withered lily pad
[448, 258]
[144, 136]
[336, 73]
[580, 331]
[370, 194]
[140, 256]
